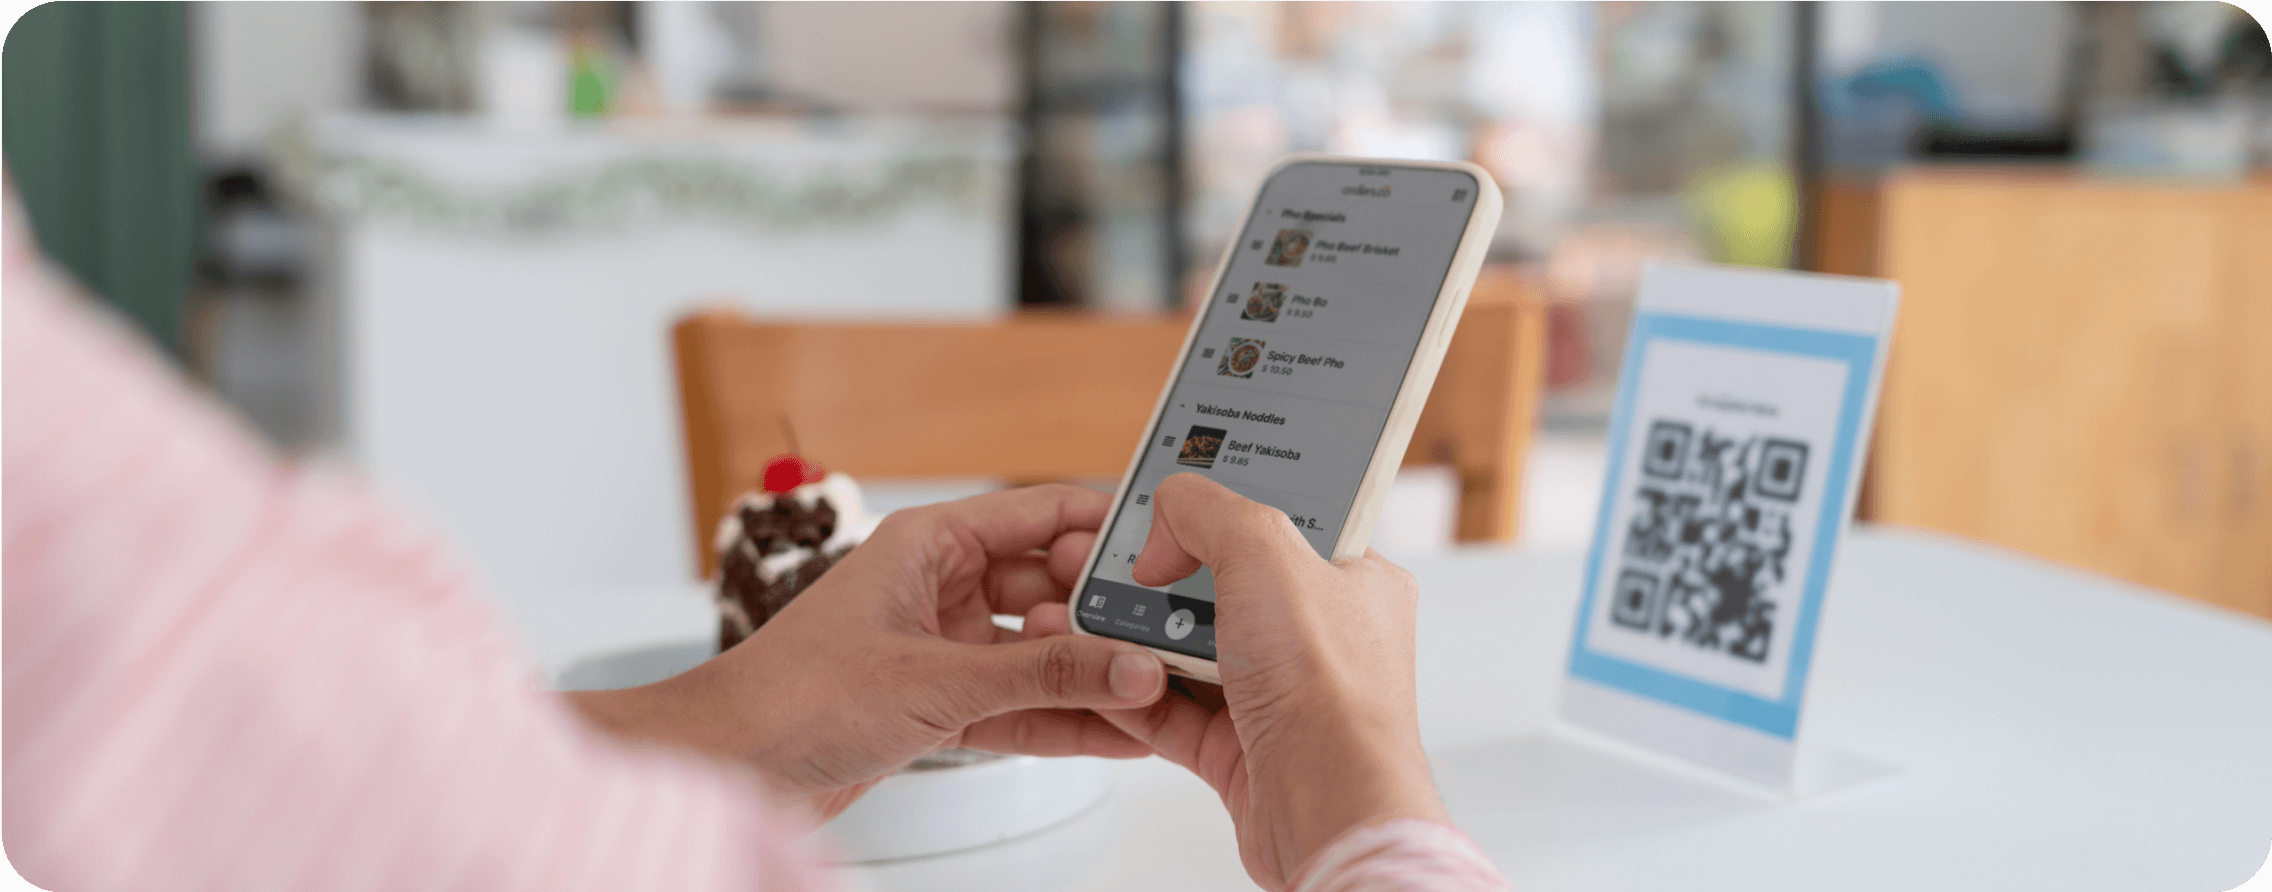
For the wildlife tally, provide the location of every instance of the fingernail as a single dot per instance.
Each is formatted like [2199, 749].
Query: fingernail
[1135, 675]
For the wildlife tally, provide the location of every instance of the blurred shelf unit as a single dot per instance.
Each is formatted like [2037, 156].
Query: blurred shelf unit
[2082, 369]
[1100, 195]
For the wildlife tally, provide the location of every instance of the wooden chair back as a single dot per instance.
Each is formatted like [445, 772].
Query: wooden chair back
[1039, 397]
[1484, 409]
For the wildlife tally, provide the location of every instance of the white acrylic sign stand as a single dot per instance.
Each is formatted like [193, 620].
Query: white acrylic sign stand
[1743, 417]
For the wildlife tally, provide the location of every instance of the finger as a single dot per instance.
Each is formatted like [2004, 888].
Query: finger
[1016, 521]
[1060, 672]
[1208, 696]
[1173, 727]
[1015, 584]
[1047, 619]
[1053, 732]
[1013, 633]
[1188, 734]
[1198, 521]
[1068, 554]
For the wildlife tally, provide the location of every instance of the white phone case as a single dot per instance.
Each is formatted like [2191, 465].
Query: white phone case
[1404, 413]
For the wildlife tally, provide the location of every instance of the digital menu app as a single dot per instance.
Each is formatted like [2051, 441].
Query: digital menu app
[1299, 357]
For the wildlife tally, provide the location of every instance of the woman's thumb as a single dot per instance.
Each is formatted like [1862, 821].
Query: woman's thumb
[1058, 672]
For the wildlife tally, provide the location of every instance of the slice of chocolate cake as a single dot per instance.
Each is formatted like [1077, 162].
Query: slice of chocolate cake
[771, 546]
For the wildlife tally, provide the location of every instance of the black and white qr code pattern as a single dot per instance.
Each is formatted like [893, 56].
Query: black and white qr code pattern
[1705, 549]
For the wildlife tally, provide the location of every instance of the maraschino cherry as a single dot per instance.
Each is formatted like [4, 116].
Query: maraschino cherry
[788, 471]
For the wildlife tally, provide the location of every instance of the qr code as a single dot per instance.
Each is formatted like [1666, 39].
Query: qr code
[1709, 535]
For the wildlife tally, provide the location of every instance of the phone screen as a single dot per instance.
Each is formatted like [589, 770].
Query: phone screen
[1287, 389]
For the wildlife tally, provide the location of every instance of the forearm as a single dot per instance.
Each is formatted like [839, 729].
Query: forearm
[615, 712]
[733, 711]
[683, 712]
[1344, 777]
[1399, 855]
[264, 655]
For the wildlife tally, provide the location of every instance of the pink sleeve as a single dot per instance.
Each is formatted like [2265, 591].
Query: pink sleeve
[1406, 855]
[223, 674]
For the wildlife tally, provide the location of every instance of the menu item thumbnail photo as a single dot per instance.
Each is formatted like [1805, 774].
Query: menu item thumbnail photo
[1289, 248]
[1263, 303]
[1240, 358]
[1200, 447]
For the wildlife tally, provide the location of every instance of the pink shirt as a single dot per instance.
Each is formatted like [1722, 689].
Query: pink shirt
[223, 673]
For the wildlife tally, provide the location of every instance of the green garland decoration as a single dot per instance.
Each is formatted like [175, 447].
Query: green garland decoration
[627, 192]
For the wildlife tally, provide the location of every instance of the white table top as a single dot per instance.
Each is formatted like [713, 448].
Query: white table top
[2051, 729]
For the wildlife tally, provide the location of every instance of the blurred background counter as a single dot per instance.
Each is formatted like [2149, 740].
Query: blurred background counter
[504, 297]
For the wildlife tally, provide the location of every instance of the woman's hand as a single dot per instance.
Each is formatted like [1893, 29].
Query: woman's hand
[1316, 729]
[893, 654]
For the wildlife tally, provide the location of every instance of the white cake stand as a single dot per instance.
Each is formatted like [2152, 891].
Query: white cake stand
[916, 812]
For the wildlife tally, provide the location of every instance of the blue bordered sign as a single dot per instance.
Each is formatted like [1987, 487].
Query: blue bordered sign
[1742, 418]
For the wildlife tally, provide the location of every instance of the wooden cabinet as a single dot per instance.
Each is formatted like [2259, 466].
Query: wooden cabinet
[2082, 370]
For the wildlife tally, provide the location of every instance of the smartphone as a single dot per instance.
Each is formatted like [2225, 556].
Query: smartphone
[1302, 377]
